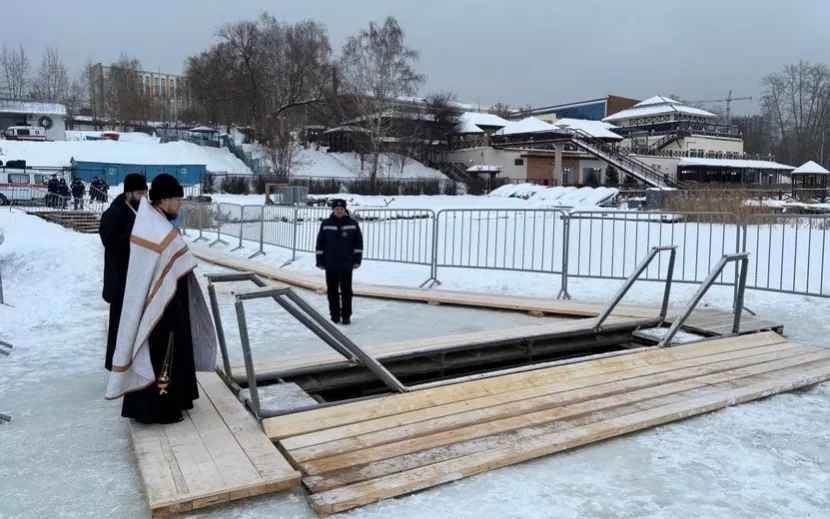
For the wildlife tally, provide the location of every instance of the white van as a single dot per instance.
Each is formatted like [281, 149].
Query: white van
[22, 185]
[25, 133]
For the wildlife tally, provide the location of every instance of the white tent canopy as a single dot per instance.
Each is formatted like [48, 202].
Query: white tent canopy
[810, 168]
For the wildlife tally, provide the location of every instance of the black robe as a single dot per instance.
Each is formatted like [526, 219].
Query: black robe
[147, 405]
[115, 229]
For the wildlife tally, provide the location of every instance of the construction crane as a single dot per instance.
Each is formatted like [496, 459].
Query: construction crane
[728, 102]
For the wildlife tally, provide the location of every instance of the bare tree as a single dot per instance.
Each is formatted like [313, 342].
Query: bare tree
[503, 110]
[442, 116]
[76, 97]
[797, 102]
[52, 80]
[262, 73]
[377, 70]
[128, 101]
[14, 72]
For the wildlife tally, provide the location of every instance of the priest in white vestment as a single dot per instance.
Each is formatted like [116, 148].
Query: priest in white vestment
[165, 334]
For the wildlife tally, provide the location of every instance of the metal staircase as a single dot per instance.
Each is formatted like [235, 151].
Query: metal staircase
[629, 165]
[665, 141]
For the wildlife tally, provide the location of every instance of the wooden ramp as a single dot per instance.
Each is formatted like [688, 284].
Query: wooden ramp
[217, 454]
[710, 322]
[363, 452]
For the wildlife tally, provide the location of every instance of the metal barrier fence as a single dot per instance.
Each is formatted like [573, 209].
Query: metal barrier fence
[787, 251]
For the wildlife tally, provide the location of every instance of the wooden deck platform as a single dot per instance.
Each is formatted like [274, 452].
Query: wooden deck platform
[217, 454]
[362, 452]
[710, 322]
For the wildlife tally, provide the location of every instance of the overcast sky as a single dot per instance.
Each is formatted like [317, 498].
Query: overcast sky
[540, 52]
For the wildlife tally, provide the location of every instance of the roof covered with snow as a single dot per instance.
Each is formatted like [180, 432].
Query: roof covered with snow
[471, 122]
[526, 125]
[596, 129]
[658, 105]
[17, 106]
[810, 168]
[734, 163]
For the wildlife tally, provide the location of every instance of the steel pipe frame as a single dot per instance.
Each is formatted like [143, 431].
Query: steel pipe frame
[344, 346]
[672, 249]
[312, 320]
[743, 258]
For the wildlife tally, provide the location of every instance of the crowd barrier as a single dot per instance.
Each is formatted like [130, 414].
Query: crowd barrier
[787, 252]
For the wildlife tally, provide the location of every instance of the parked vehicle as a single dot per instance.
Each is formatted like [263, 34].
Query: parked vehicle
[22, 185]
[25, 133]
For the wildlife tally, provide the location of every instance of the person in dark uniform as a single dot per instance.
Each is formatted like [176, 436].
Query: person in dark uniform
[339, 252]
[63, 193]
[115, 230]
[78, 189]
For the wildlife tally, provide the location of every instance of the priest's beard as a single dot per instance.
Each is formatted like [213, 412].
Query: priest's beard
[170, 217]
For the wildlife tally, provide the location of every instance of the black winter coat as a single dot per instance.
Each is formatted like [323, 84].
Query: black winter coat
[78, 189]
[339, 244]
[115, 230]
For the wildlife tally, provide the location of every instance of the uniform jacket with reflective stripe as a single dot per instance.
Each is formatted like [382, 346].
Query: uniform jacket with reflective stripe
[339, 244]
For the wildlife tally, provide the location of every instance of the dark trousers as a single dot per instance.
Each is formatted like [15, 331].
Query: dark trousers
[339, 286]
[112, 332]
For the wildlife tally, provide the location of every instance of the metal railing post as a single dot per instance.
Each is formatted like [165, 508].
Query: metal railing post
[743, 231]
[433, 268]
[241, 228]
[3, 346]
[246, 353]
[294, 234]
[566, 238]
[633, 277]
[261, 251]
[701, 291]
[2, 297]
[740, 289]
[220, 329]
[218, 228]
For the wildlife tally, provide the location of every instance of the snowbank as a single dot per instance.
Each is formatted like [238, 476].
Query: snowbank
[132, 150]
[321, 164]
[580, 198]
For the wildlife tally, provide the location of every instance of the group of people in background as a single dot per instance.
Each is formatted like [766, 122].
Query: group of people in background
[59, 192]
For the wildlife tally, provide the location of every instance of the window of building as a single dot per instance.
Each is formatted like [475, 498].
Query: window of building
[566, 176]
[18, 178]
[518, 162]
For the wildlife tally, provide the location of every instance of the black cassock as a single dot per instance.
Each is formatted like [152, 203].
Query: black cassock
[147, 405]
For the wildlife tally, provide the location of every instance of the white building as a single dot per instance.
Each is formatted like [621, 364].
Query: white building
[663, 126]
[50, 116]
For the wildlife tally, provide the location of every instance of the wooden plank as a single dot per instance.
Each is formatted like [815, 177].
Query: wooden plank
[216, 454]
[265, 457]
[197, 466]
[437, 411]
[319, 419]
[156, 470]
[501, 425]
[720, 396]
[231, 461]
[503, 405]
[547, 306]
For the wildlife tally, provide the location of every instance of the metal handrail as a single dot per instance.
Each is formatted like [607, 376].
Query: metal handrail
[3, 346]
[305, 314]
[672, 249]
[740, 282]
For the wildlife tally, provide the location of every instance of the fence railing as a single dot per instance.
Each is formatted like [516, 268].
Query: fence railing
[787, 252]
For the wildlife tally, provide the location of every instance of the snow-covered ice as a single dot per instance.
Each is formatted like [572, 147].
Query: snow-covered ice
[67, 453]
